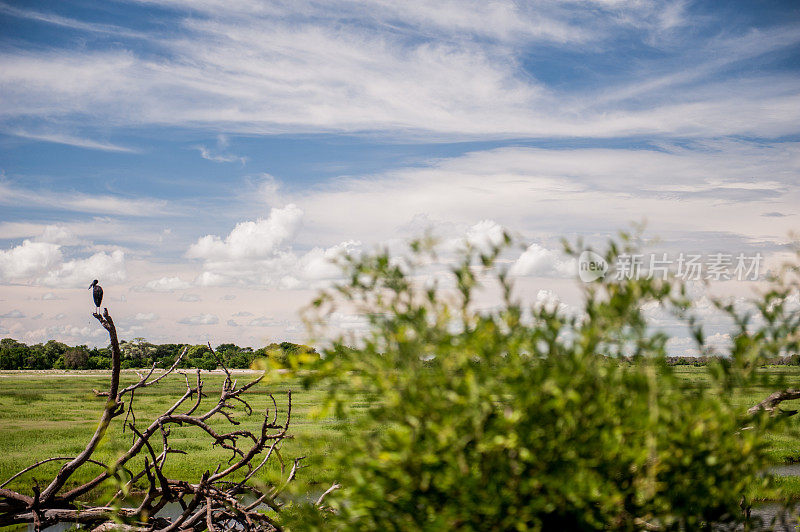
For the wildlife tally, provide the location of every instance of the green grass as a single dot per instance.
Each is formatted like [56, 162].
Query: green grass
[50, 414]
[784, 445]
[44, 414]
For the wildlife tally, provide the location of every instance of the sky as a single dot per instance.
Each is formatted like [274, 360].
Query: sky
[206, 159]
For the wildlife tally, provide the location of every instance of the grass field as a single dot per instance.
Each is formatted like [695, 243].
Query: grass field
[45, 414]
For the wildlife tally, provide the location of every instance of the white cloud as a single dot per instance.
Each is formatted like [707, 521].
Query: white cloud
[350, 66]
[320, 263]
[13, 314]
[539, 261]
[257, 240]
[219, 155]
[166, 284]
[30, 259]
[201, 319]
[264, 322]
[108, 267]
[69, 140]
[541, 192]
[58, 234]
[146, 316]
[85, 231]
[486, 235]
[86, 203]
[260, 253]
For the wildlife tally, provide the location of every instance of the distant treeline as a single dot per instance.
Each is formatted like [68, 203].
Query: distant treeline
[139, 353]
[793, 360]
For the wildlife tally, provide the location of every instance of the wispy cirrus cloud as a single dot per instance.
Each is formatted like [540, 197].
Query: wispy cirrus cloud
[220, 154]
[313, 67]
[711, 188]
[67, 22]
[70, 140]
[85, 203]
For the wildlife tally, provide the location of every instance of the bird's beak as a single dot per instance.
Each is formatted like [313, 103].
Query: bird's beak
[90, 287]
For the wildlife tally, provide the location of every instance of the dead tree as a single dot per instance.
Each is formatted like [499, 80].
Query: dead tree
[224, 499]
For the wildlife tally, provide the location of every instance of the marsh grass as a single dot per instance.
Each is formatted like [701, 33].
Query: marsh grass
[45, 414]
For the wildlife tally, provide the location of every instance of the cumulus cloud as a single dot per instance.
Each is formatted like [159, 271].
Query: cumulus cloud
[50, 296]
[719, 343]
[252, 239]
[58, 234]
[13, 314]
[485, 235]
[67, 333]
[542, 262]
[200, 319]
[260, 253]
[264, 322]
[166, 284]
[43, 263]
[190, 298]
[320, 263]
[146, 316]
[109, 267]
[28, 260]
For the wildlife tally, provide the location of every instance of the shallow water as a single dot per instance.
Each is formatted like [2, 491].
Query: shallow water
[770, 516]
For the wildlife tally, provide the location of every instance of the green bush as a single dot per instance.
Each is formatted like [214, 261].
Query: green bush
[528, 418]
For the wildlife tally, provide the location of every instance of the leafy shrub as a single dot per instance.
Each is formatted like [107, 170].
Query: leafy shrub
[530, 417]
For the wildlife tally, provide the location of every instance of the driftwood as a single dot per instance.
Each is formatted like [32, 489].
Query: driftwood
[216, 502]
[770, 404]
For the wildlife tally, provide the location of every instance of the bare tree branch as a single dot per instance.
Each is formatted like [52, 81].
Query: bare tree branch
[774, 399]
[213, 503]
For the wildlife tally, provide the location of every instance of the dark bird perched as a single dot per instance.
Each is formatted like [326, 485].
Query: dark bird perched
[97, 294]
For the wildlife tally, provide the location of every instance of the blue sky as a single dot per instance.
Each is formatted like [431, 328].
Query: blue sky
[205, 158]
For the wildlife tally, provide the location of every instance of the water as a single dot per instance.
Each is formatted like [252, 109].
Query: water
[170, 510]
[764, 513]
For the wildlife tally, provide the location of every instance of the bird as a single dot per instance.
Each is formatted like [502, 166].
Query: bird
[97, 294]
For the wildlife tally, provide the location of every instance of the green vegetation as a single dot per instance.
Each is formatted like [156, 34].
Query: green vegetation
[520, 418]
[530, 418]
[51, 414]
[140, 353]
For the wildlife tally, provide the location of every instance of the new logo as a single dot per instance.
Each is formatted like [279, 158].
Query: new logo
[591, 266]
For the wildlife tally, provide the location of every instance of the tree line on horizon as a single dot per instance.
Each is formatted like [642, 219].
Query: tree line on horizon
[139, 353]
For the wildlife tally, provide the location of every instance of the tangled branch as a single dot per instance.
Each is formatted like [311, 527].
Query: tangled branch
[216, 502]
